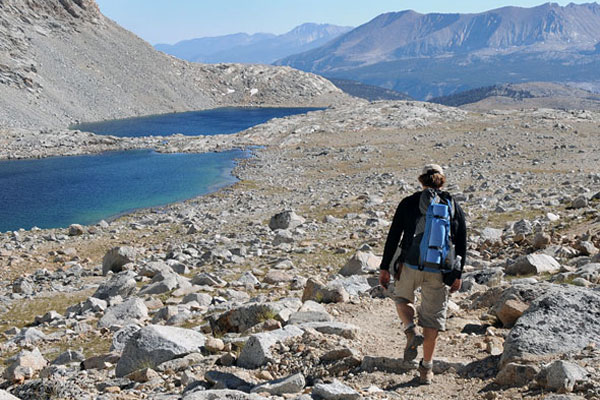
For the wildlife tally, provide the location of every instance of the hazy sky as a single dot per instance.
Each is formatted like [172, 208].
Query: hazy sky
[169, 21]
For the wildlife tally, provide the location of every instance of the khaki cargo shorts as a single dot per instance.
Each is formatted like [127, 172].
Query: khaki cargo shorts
[434, 296]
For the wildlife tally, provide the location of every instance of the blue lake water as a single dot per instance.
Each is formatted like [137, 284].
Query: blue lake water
[59, 191]
[206, 122]
[56, 192]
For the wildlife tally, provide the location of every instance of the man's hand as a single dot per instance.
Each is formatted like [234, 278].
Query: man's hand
[384, 278]
[455, 286]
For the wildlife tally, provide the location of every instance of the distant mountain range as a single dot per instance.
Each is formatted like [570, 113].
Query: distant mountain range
[259, 48]
[523, 95]
[439, 54]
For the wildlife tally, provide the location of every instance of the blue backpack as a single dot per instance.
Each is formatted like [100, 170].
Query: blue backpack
[436, 249]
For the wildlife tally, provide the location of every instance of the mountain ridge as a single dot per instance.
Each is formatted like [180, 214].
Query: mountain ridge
[456, 42]
[262, 48]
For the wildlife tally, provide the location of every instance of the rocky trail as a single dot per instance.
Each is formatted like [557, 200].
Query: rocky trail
[268, 289]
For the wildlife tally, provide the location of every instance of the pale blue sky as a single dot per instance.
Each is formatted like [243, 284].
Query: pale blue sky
[169, 21]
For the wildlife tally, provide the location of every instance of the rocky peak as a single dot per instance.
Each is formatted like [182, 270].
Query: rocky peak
[54, 9]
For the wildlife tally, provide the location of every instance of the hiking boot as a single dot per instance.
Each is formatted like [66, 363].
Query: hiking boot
[413, 341]
[425, 374]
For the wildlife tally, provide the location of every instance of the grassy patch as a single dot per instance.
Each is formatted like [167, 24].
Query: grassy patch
[23, 313]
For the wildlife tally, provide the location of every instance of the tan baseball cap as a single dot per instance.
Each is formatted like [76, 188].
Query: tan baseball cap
[432, 167]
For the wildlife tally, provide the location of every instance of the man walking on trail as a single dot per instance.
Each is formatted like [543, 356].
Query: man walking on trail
[403, 257]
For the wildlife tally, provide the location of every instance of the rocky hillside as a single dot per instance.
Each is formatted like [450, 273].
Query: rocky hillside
[523, 95]
[394, 50]
[62, 61]
[260, 48]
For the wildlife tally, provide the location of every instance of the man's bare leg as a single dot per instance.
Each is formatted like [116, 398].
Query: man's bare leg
[430, 340]
[406, 312]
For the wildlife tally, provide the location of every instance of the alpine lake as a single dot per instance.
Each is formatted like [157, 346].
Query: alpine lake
[58, 191]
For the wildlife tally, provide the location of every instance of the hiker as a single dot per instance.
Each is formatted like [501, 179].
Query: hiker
[403, 257]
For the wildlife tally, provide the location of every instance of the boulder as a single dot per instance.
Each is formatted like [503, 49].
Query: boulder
[487, 276]
[361, 262]
[68, 357]
[541, 240]
[580, 202]
[491, 235]
[155, 344]
[278, 387]
[303, 317]
[224, 394]
[122, 284]
[257, 349]
[226, 380]
[536, 263]
[274, 277]
[203, 299]
[319, 292]
[334, 391]
[116, 257]
[129, 312]
[564, 319]
[76, 230]
[509, 312]
[242, 318]
[4, 395]
[387, 364]
[207, 279]
[122, 336]
[590, 272]
[347, 331]
[165, 282]
[285, 220]
[153, 268]
[561, 376]
[516, 375]
[354, 285]
[24, 365]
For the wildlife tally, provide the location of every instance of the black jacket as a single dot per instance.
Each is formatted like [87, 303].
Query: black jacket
[403, 229]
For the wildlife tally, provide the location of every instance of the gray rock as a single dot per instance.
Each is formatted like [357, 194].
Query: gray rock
[361, 263]
[533, 264]
[564, 319]
[206, 279]
[165, 282]
[122, 284]
[580, 202]
[335, 391]
[257, 350]
[303, 317]
[68, 357]
[122, 336]
[224, 394]
[116, 257]
[387, 364]
[290, 384]
[242, 318]
[28, 336]
[283, 236]
[491, 235]
[226, 380]
[347, 331]
[155, 344]
[202, 299]
[285, 220]
[561, 376]
[516, 375]
[153, 268]
[4, 395]
[76, 230]
[23, 365]
[275, 277]
[128, 312]
[488, 276]
[319, 292]
[355, 285]
[589, 272]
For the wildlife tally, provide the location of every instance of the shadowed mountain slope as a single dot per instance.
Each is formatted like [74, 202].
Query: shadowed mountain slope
[62, 61]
